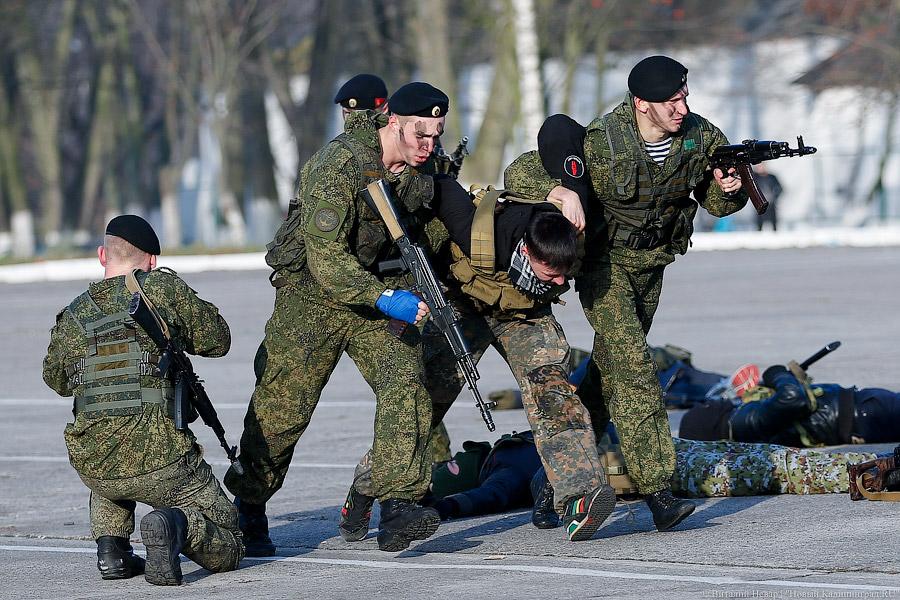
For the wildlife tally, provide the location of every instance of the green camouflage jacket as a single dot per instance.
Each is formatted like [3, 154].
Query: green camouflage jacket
[344, 239]
[526, 175]
[112, 447]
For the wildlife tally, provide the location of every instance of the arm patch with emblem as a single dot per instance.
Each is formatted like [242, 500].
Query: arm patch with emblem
[326, 220]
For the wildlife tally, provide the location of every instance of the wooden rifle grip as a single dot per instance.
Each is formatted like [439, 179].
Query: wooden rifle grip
[756, 196]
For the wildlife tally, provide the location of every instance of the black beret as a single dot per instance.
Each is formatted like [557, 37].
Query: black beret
[136, 231]
[419, 99]
[364, 91]
[561, 148]
[657, 78]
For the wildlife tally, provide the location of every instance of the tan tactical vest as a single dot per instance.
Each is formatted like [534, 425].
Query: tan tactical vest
[107, 380]
[642, 212]
[477, 273]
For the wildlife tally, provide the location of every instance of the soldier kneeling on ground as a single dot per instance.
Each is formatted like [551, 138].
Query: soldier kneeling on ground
[123, 442]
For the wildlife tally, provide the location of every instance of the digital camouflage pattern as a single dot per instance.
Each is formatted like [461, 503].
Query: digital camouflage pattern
[213, 539]
[536, 350]
[713, 469]
[303, 344]
[141, 457]
[113, 447]
[325, 307]
[619, 286]
[537, 353]
[621, 382]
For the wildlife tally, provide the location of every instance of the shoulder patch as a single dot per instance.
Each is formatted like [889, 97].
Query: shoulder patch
[326, 220]
[167, 270]
[574, 166]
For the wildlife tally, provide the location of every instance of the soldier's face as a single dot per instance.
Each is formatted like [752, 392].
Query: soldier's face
[545, 272]
[417, 136]
[669, 115]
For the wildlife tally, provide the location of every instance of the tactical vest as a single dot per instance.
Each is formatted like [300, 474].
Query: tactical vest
[477, 273]
[107, 381]
[642, 213]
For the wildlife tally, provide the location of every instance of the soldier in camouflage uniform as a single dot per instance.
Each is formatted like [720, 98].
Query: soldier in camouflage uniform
[484, 479]
[330, 299]
[503, 279]
[123, 441]
[713, 469]
[639, 216]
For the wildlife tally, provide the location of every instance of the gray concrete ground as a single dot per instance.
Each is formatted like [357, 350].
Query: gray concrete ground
[727, 307]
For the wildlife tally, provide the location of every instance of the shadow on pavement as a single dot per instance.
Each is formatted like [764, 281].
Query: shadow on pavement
[635, 517]
[460, 540]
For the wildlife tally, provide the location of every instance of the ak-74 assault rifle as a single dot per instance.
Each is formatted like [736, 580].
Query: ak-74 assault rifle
[190, 396]
[752, 152]
[426, 285]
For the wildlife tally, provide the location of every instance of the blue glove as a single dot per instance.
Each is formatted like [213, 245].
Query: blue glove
[399, 304]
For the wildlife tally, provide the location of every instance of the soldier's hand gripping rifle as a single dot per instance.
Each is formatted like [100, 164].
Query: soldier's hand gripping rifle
[752, 152]
[426, 284]
[190, 396]
[455, 159]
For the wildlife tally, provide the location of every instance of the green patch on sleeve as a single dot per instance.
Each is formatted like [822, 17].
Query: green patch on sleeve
[326, 220]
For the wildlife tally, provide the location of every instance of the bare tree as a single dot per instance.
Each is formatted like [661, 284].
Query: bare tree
[41, 63]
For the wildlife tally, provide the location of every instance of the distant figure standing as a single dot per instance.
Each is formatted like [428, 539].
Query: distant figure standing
[771, 188]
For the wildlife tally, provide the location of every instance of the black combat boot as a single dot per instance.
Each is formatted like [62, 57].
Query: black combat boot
[116, 559]
[254, 524]
[355, 515]
[543, 515]
[402, 522]
[668, 511]
[585, 514]
[164, 533]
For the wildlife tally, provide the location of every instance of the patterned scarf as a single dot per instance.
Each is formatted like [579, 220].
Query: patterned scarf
[523, 277]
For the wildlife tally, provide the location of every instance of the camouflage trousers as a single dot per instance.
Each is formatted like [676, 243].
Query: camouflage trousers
[537, 353]
[213, 538]
[304, 341]
[621, 383]
[710, 469]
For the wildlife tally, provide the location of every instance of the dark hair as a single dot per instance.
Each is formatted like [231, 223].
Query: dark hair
[551, 239]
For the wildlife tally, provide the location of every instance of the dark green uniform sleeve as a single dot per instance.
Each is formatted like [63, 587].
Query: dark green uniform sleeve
[59, 353]
[203, 330]
[329, 211]
[708, 193]
[527, 177]
[199, 327]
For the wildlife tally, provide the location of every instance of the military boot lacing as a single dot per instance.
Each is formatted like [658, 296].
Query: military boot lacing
[668, 511]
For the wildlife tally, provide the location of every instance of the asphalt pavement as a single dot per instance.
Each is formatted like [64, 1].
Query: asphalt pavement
[728, 308]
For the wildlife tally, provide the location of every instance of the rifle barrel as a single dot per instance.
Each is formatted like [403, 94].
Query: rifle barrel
[824, 351]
